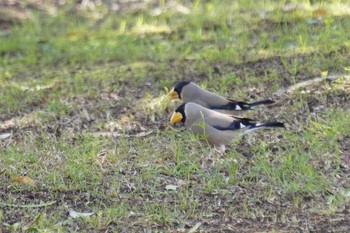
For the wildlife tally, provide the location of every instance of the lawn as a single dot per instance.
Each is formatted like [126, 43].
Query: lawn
[85, 139]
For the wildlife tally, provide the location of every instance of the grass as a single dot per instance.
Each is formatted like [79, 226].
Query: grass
[63, 81]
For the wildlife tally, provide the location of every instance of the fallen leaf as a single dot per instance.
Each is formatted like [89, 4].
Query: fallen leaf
[5, 135]
[319, 12]
[24, 179]
[86, 114]
[132, 213]
[181, 182]
[313, 21]
[195, 228]
[182, 9]
[13, 226]
[75, 214]
[142, 134]
[102, 156]
[110, 96]
[100, 159]
[290, 7]
[43, 101]
[171, 187]
[346, 194]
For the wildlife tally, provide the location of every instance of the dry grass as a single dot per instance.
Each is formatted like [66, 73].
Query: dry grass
[65, 86]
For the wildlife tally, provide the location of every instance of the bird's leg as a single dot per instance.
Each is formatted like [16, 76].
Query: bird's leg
[222, 149]
[219, 150]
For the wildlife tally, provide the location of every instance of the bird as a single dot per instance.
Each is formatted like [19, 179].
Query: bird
[217, 128]
[191, 92]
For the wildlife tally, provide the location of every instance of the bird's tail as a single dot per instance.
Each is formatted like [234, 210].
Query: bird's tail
[264, 125]
[249, 106]
[240, 106]
[261, 102]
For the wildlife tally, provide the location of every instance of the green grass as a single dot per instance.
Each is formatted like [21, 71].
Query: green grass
[62, 80]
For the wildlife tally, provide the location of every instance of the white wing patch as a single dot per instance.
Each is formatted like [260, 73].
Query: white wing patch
[238, 107]
[242, 125]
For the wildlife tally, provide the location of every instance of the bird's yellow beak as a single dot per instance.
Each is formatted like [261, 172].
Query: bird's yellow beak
[176, 117]
[173, 95]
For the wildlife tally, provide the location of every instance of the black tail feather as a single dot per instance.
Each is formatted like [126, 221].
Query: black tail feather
[268, 101]
[264, 125]
[268, 124]
[240, 106]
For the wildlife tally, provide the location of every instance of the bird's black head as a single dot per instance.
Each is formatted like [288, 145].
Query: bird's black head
[181, 110]
[179, 115]
[179, 86]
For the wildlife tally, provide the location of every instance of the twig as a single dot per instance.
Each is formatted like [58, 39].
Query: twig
[111, 134]
[308, 83]
[28, 206]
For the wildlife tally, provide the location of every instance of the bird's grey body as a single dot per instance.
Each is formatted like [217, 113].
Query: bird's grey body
[217, 128]
[191, 92]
